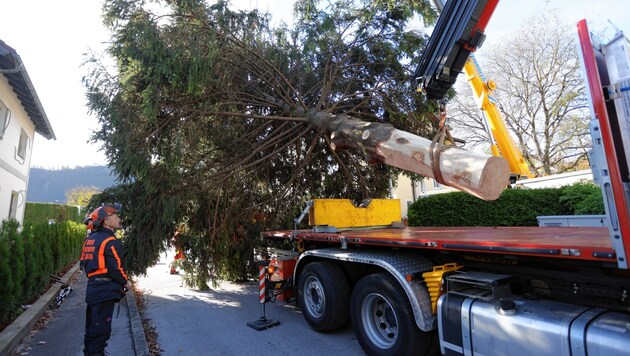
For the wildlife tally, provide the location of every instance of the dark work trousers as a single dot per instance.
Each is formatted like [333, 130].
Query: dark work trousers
[98, 326]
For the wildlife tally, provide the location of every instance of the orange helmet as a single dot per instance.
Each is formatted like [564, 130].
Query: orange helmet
[99, 214]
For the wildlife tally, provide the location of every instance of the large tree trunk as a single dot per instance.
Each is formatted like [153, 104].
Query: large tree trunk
[481, 175]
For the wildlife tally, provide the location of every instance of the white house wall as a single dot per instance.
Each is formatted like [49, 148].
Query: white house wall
[404, 193]
[14, 171]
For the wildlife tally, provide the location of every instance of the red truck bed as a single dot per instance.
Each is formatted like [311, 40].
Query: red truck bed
[578, 243]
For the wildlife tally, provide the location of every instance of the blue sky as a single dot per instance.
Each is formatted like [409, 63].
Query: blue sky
[51, 37]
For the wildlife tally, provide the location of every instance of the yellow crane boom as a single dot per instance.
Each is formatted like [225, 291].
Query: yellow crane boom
[502, 144]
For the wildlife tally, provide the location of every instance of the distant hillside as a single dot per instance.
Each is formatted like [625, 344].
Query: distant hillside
[50, 186]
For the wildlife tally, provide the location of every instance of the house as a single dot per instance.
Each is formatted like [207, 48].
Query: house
[408, 191]
[21, 116]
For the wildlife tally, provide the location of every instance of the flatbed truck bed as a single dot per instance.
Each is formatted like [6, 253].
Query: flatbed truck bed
[573, 243]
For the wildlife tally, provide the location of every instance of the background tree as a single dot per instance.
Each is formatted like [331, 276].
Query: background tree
[219, 123]
[540, 93]
[80, 195]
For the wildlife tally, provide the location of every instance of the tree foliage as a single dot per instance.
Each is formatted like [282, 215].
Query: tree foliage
[80, 195]
[540, 94]
[219, 123]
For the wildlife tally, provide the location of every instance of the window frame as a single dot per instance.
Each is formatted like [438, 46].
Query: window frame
[5, 118]
[436, 185]
[23, 144]
[15, 196]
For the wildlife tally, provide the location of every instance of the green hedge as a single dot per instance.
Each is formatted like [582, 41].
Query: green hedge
[583, 198]
[515, 207]
[35, 213]
[28, 258]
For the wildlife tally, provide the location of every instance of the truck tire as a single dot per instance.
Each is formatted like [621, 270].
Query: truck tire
[324, 296]
[383, 321]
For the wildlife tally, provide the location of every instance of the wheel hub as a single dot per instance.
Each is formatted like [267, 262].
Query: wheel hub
[314, 297]
[379, 319]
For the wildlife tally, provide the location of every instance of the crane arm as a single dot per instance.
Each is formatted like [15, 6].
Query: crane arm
[459, 32]
[502, 145]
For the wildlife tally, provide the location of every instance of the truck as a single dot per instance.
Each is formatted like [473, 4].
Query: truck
[473, 290]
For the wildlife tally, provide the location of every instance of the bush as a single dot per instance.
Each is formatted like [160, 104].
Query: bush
[42, 233]
[36, 213]
[16, 260]
[7, 307]
[583, 198]
[515, 207]
[32, 263]
[29, 256]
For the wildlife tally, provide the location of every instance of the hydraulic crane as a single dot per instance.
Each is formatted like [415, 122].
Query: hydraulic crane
[446, 58]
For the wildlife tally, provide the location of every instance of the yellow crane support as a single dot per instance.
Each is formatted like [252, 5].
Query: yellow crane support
[502, 144]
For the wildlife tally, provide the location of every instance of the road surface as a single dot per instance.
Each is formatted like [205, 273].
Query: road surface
[191, 322]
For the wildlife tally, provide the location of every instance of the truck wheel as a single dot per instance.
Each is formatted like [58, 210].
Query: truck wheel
[382, 318]
[324, 296]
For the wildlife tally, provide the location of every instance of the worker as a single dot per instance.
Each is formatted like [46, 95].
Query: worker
[179, 253]
[88, 223]
[107, 280]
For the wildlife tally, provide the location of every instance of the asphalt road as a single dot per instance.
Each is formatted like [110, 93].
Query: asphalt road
[60, 331]
[191, 322]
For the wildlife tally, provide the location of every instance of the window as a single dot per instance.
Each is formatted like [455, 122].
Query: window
[14, 204]
[5, 116]
[436, 184]
[418, 188]
[23, 144]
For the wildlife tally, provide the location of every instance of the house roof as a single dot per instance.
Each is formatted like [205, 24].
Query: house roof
[13, 69]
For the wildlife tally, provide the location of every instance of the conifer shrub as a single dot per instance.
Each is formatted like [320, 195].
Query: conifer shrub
[28, 256]
[7, 294]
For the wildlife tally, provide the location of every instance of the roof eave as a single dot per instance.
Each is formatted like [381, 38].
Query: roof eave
[12, 67]
[29, 84]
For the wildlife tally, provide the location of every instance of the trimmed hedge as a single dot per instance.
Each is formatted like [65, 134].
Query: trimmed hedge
[36, 213]
[515, 207]
[28, 258]
[583, 198]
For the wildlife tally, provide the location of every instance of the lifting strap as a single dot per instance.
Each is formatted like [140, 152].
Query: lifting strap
[437, 145]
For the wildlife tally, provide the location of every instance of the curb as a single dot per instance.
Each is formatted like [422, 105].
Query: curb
[140, 345]
[13, 334]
